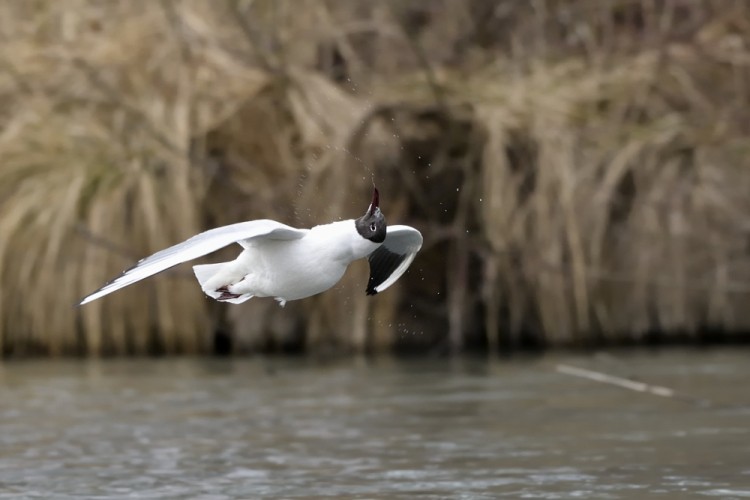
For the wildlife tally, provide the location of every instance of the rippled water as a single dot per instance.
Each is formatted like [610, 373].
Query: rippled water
[216, 429]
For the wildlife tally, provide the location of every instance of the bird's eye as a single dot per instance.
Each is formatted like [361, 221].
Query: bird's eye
[373, 227]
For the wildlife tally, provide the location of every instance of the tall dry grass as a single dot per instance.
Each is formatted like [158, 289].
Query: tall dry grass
[576, 167]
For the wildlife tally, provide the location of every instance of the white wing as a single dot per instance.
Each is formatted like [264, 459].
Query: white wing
[393, 257]
[197, 246]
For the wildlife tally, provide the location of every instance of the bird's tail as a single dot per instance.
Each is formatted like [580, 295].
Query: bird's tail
[205, 272]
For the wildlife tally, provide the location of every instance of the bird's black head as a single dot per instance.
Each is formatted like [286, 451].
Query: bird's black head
[372, 226]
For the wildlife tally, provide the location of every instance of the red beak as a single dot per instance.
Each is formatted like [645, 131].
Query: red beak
[375, 201]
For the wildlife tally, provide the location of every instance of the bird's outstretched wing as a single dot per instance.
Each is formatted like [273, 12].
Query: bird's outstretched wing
[393, 257]
[197, 246]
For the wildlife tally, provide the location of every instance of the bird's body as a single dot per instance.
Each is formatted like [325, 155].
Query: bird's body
[283, 262]
[311, 264]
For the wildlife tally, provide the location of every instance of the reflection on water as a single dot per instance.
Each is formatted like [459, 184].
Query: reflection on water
[218, 429]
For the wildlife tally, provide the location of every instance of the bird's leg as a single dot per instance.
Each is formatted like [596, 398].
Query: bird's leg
[225, 293]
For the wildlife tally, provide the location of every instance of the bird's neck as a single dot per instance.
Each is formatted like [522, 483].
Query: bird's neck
[342, 237]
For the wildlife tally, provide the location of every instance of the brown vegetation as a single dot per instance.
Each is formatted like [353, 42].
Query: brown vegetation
[576, 167]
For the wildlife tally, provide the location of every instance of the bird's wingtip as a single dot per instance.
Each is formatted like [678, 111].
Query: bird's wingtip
[85, 300]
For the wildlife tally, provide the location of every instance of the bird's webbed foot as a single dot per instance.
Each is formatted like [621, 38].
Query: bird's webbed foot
[225, 293]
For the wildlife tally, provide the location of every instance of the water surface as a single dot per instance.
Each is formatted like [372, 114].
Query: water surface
[260, 428]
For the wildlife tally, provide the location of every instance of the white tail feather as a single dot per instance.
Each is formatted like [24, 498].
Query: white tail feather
[205, 272]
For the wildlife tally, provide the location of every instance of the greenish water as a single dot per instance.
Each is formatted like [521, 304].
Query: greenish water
[252, 428]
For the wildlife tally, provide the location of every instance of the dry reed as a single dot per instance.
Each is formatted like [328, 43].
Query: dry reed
[576, 167]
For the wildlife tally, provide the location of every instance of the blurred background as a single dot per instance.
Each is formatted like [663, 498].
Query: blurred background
[575, 166]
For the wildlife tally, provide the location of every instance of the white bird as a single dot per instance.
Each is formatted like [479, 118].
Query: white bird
[284, 262]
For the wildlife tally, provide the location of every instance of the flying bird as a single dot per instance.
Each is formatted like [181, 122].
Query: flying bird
[285, 262]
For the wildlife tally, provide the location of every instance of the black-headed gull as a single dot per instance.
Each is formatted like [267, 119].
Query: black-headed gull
[284, 262]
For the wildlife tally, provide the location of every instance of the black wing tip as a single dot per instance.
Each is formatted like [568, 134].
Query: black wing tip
[383, 262]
